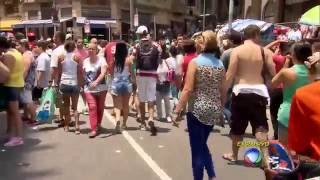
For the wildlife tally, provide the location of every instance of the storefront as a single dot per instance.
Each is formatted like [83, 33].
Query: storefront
[6, 24]
[41, 28]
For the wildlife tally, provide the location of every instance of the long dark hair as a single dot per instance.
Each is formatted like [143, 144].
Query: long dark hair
[120, 56]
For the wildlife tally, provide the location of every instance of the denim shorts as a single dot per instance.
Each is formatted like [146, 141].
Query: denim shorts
[69, 89]
[121, 86]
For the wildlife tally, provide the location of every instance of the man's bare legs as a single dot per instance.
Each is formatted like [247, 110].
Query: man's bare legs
[142, 108]
[261, 136]
[235, 148]
[151, 110]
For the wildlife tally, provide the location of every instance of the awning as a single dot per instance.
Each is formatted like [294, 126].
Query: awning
[97, 23]
[80, 22]
[6, 24]
[34, 24]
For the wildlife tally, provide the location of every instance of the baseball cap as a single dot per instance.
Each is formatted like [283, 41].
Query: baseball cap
[142, 30]
[68, 36]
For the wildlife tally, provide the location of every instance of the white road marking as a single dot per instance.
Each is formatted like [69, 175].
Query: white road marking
[141, 138]
[118, 151]
[150, 162]
[160, 146]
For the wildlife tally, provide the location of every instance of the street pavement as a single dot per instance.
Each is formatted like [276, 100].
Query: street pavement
[50, 153]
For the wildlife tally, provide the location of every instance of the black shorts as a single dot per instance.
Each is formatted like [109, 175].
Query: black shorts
[69, 90]
[12, 93]
[248, 108]
[36, 93]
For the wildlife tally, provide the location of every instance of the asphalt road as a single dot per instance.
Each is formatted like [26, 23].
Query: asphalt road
[52, 154]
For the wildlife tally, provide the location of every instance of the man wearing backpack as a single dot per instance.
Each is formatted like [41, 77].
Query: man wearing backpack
[148, 56]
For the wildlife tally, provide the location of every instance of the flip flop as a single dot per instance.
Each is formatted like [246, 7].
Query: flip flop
[229, 158]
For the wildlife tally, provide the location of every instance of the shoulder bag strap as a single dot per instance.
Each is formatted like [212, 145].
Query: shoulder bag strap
[264, 69]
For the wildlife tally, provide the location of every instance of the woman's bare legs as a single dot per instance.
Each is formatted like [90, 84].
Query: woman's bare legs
[66, 111]
[117, 109]
[125, 108]
[74, 100]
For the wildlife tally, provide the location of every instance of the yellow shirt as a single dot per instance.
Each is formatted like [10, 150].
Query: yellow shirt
[16, 74]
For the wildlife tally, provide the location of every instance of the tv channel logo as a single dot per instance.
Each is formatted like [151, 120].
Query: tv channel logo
[252, 157]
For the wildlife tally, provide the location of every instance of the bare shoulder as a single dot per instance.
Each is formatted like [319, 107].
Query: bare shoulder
[268, 52]
[287, 72]
[129, 60]
[192, 65]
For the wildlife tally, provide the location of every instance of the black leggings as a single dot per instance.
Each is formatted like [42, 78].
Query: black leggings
[276, 98]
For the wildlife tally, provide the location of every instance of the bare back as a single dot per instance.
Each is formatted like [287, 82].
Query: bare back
[248, 63]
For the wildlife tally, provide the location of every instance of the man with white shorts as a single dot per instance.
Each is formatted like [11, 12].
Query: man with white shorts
[148, 56]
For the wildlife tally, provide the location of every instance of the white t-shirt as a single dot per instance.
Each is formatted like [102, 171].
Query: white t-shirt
[43, 65]
[164, 67]
[179, 62]
[295, 35]
[91, 73]
[55, 55]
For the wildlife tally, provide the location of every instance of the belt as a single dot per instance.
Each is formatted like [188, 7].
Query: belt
[147, 75]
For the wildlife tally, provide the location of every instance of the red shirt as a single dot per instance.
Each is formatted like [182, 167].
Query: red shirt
[109, 52]
[304, 121]
[279, 61]
[186, 60]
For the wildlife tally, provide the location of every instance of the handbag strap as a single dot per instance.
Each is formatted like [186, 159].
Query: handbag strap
[166, 64]
[264, 65]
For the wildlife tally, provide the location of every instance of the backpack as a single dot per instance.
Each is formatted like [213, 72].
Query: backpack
[147, 56]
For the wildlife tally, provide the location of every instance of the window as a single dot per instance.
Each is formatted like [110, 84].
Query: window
[191, 2]
[33, 15]
[95, 2]
[46, 10]
[66, 12]
[11, 6]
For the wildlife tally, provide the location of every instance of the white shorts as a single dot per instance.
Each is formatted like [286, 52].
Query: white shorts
[26, 96]
[146, 88]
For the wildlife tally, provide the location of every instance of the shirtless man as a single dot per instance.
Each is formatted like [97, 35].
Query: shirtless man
[250, 94]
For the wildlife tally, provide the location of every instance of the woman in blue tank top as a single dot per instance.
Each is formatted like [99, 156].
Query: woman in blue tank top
[204, 91]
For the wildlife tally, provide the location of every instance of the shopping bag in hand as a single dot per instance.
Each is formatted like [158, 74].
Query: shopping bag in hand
[47, 107]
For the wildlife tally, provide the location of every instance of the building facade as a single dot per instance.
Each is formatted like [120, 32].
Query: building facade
[277, 11]
[104, 16]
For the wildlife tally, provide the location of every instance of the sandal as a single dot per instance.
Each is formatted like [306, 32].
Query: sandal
[66, 129]
[229, 157]
[77, 131]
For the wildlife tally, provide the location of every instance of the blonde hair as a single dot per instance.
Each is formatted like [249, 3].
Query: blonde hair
[206, 42]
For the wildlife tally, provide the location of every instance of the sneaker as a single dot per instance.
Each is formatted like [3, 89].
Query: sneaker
[138, 119]
[143, 127]
[153, 129]
[85, 111]
[169, 120]
[118, 130]
[14, 141]
[93, 134]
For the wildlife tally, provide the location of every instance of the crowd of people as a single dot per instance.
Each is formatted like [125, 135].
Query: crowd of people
[243, 80]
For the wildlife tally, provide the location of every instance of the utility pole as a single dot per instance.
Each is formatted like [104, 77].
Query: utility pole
[231, 7]
[155, 27]
[132, 4]
[204, 16]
